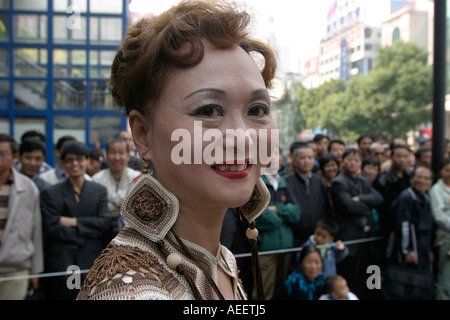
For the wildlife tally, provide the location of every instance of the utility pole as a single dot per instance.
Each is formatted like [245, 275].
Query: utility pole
[439, 83]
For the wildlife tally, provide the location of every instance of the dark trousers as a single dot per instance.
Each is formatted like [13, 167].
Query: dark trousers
[354, 269]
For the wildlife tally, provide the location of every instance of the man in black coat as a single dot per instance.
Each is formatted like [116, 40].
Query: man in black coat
[390, 184]
[353, 198]
[309, 192]
[74, 216]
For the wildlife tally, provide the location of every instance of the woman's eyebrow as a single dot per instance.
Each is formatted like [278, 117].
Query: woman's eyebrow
[211, 91]
[259, 93]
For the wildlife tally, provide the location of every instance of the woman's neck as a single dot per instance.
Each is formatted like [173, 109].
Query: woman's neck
[200, 226]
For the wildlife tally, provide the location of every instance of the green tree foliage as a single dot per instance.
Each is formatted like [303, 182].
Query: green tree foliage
[391, 100]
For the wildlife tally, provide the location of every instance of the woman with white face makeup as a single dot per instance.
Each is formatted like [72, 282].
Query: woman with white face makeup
[188, 78]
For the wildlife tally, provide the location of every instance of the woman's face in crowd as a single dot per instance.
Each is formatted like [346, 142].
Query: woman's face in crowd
[370, 171]
[330, 170]
[311, 265]
[445, 174]
[191, 139]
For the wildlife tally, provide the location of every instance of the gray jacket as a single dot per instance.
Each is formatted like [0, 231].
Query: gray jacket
[21, 246]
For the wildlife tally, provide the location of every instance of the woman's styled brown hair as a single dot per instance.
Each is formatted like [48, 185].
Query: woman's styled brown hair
[154, 46]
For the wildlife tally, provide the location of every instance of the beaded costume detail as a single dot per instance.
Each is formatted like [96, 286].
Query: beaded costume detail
[134, 266]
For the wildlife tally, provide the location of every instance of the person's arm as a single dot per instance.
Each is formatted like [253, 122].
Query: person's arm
[97, 224]
[346, 203]
[51, 210]
[439, 208]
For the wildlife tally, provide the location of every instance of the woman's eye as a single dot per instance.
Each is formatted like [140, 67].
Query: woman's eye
[209, 111]
[258, 110]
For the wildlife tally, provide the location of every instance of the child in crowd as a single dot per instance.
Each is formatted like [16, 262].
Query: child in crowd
[336, 288]
[306, 282]
[330, 251]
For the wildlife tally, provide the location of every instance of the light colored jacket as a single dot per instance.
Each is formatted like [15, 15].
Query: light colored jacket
[116, 191]
[22, 240]
[440, 207]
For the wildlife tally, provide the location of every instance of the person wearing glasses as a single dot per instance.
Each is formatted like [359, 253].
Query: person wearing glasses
[75, 215]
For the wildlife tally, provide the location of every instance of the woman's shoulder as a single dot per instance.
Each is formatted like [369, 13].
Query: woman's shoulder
[128, 271]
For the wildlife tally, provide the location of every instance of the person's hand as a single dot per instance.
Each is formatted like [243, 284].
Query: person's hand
[411, 258]
[273, 208]
[34, 283]
[355, 198]
[340, 245]
[68, 222]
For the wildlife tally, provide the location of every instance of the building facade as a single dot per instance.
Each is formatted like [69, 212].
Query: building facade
[350, 44]
[55, 60]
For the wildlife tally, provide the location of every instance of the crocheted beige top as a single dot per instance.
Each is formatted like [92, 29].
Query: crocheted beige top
[133, 267]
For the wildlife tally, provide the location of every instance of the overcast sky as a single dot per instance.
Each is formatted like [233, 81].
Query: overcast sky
[298, 25]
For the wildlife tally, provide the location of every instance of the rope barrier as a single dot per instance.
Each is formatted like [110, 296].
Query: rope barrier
[241, 255]
[349, 242]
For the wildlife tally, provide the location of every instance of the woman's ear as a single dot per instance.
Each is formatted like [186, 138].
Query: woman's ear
[140, 129]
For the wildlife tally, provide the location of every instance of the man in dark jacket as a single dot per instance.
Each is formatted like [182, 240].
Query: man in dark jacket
[309, 192]
[74, 216]
[391, 183]
[353, 198]
[414, 222]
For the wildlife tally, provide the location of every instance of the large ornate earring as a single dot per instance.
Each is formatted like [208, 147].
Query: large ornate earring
[149, 207]
[258, 201]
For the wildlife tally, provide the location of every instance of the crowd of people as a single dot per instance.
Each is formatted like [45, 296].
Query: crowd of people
[56, 217]
[324, 194]
[381, 198]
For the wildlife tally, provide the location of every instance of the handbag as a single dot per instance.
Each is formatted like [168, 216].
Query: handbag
[403, 282]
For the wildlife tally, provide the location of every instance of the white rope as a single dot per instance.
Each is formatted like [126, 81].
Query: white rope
[349, 242]
[241, 255]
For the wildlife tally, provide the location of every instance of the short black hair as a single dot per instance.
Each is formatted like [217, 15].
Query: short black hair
[370, 161]
[61, 141]
[32, 134]
[307, 250]
[365, 135]
[444, 162]
[338, 141]
[329, 225]
[350, 151]
[95, 154]
[118, 139]
[31, 144]
[12, 142]
[414, 170]
[325, 158]
[421, 151]
[400, 146]
[319, 137]
[302, 145]
[75, 147]
[294, 146]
